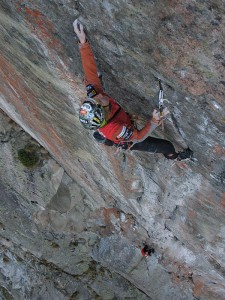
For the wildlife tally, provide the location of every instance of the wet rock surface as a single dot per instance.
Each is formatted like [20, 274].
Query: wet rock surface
[84, 211]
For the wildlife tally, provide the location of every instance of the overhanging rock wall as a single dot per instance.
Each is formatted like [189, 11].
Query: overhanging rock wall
[178, 207]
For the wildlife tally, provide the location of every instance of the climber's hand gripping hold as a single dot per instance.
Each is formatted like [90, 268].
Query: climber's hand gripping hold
[79, 30]
[157, 117]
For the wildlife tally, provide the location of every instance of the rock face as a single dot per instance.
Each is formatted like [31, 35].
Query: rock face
[76, 220]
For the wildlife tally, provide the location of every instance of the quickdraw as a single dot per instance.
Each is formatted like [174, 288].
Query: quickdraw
[170, 117]
[161, 99]
[161, 105]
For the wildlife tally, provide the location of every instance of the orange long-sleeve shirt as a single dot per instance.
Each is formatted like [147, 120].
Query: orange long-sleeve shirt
[119, 128]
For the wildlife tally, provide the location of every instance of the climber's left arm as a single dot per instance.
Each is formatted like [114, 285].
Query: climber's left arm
[140, 135]
[127, 134]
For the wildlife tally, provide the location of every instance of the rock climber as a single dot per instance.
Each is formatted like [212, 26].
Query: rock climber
[147, 251]
[112, 125]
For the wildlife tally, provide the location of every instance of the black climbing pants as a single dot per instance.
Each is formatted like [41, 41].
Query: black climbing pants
[155, 145]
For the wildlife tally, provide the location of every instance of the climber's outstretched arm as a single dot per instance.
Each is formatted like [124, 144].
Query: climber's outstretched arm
[140, 135]
[87, 57]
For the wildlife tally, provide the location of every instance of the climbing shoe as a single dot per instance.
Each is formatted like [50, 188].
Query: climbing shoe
[185, 154]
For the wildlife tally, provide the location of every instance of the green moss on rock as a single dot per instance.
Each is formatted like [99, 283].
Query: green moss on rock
[28, 157]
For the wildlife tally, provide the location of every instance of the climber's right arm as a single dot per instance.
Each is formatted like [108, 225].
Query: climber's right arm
[87, 58]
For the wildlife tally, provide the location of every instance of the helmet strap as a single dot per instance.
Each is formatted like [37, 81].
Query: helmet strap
[103, 123]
